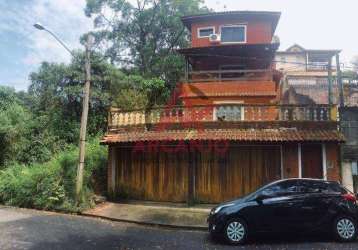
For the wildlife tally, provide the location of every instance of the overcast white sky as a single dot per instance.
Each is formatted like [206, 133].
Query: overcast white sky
[314, 24]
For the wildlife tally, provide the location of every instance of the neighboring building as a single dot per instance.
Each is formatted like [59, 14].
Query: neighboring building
[349, 126]
[306, 82]
[306, 73]
[231, 134]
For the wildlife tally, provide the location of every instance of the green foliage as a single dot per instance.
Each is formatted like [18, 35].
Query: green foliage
[144, 36]
[24, 138]
[39, 129]
[13, 124]
[52, 185]
[55, 95]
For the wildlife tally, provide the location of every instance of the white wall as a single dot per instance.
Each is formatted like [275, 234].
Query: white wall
[295, 62]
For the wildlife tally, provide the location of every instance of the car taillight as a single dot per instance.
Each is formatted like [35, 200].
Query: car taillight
[350, 197]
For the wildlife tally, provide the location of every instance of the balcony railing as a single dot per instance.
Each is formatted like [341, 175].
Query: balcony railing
[229, 75]
[317, 66]
[221, 113]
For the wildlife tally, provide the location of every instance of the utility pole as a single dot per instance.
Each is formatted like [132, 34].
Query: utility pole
[85, 104]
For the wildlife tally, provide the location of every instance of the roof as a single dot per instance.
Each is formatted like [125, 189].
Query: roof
[297, 49]
[246, 135]
[266, 15]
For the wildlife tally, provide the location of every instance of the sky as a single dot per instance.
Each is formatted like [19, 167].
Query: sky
[313, 24]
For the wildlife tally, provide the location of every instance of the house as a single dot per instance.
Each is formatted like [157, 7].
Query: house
[306, 73]
[228, 134]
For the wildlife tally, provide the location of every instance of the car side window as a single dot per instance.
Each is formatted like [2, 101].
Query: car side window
[313, 187]
[336, 188]
[281, 189]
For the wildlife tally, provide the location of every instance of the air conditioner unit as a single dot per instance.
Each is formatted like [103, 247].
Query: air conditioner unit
[215, 38]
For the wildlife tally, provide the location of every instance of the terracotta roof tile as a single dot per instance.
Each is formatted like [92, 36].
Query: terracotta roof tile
[235, 88]
[264, 135]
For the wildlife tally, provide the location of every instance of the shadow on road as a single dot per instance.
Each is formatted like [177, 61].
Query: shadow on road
[286, 239]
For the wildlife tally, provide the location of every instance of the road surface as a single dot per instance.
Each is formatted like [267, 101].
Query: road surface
[30, 229]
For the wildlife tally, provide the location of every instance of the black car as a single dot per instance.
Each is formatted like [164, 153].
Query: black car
[291, 205]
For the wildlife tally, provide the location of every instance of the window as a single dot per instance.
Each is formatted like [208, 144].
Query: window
[282, 188]
[313, 187]
[321, 187]
[233, 34]
[205, 32]
[336, 188]
[228, 111]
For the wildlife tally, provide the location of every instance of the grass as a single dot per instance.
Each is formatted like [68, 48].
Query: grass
[51, 186]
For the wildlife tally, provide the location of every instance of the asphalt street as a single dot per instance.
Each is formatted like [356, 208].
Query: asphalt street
[31, 229]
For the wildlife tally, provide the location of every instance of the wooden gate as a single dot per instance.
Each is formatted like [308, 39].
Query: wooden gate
[154, 176]
[161, 176]
[240, 171]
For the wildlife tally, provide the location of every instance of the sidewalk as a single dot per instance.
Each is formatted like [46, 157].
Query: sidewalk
[161, 214]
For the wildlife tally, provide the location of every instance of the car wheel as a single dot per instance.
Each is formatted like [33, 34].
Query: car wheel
[345, 229]
[236, 232]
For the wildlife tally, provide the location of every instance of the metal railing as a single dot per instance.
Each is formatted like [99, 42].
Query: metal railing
[221, 113]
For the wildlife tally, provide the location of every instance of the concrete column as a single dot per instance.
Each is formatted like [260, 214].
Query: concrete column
[299, 160]
[347, 177]
[324, 161]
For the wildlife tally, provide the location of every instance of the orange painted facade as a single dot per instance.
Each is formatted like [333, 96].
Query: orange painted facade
[247, 92]
[260, 87]
[257, 32]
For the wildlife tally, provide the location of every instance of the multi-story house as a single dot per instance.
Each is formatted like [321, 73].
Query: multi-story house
[229, 133]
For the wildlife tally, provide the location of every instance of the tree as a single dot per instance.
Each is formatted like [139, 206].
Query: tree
[13, 118]
[55, 95]
[143, 37]
[24, 138]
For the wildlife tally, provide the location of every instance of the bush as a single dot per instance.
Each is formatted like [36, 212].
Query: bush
[51, 185]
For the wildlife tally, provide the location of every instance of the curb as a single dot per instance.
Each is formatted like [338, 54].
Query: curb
[144, 223]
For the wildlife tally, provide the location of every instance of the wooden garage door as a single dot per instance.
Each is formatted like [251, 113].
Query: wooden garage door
[240, 171]
[311, 155]
[152, 176]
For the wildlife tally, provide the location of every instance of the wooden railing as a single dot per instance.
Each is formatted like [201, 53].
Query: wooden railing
[221, 113]
[229, 75]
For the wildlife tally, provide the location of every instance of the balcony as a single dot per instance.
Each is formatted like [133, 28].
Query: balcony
[229, 75]
[217, 116]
